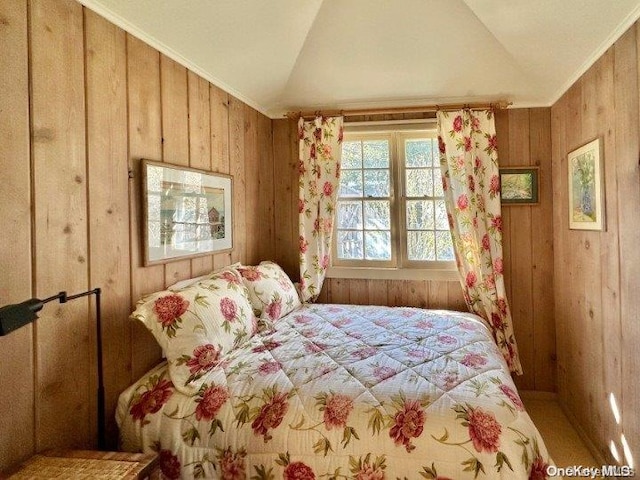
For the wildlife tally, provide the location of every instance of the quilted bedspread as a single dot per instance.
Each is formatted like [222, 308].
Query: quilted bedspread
[344, 392]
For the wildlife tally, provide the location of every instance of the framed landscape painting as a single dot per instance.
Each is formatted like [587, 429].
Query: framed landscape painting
[586, 187]
[519, 185]
[187, 212]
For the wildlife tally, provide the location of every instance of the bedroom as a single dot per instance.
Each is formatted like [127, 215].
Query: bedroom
[112, 99]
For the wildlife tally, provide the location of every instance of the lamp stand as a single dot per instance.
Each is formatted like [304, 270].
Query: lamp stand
[18, 315]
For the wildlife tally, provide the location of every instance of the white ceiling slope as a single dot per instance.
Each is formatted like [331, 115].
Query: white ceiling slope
[281, 55]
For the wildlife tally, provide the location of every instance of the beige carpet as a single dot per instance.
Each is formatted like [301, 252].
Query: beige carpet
[565, 446]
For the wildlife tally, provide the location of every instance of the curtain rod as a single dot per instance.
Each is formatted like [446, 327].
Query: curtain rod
[500, 105]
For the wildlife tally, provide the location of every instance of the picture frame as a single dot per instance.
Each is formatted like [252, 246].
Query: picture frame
[186, 212]
[586, 187]
[519, 185]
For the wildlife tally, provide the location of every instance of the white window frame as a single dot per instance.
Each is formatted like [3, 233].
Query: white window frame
[399, 267]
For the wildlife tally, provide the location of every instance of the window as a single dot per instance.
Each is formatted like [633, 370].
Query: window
[390, 211]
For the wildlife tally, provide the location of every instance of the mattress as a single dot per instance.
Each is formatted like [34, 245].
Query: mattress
[344, 392]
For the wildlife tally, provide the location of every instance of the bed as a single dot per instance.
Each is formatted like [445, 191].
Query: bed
[337, 392]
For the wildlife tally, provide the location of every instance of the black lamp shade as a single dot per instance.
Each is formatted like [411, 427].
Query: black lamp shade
[15, 316]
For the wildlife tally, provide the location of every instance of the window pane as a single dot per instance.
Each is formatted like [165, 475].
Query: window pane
[376, 183]
[377, 215]
[420, 214]
[419, 182]
[375, 153]
[442, 222]
[444, 246]
[352, 154]
[418, 153]
[351, 183]
[437, 183]
[378, 245]
[350, 215]
[350, 246]
[421, 246]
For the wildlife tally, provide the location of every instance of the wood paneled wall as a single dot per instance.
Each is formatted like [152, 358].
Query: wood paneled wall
[524, 139]
[81, 103]
[597, 285]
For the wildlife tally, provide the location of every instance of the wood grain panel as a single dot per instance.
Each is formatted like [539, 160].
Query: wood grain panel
[519, 233]
[199, 145]
[611, 374]
[378, 292]
[544, 334]
[627, 126]
[145, 141]
[503, 133]
[96, 103]
[106, 91]
[560, 227]
[219, 102]
[285, 148]
[252, 183]
[439, 295]
[63, 333]
[175, 139]
[455, 297]
[339, 289]
[236, 165]
[358, 292]
[16, 349]
[595, 291]
[574, 239]
[590, 245]
[266, 203]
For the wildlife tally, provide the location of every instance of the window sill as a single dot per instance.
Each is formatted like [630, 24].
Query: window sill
[372, 273]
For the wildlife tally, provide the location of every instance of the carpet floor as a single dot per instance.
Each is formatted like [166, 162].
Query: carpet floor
[563, 442]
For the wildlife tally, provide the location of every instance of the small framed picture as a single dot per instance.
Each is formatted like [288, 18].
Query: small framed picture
[586, 187]
[187, 212]
[519, 185]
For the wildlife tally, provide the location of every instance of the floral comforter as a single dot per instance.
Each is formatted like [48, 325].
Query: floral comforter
[344, 392]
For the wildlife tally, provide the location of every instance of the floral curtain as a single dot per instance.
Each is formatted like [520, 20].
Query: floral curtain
[470, 176]
[319, 169]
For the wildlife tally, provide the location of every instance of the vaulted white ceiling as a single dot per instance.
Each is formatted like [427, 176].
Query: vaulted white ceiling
[280, 55]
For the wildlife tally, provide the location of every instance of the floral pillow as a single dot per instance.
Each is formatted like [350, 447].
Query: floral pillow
[271, 292]
[197, 325]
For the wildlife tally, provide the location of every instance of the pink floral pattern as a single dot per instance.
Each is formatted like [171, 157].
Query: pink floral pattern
[232, 464]
[298, 471]
[319, 167]
[469, 164]
[169, 464]
[484, 430]
[271, 415]
[151, 401]
[513, 396]
[169, 309]
[372, 394]
[337, 410]
[409, 423]
[229, 309]
[210, 401]
[204, 358]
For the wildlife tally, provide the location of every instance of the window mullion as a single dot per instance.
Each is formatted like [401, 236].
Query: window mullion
[399, 197]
